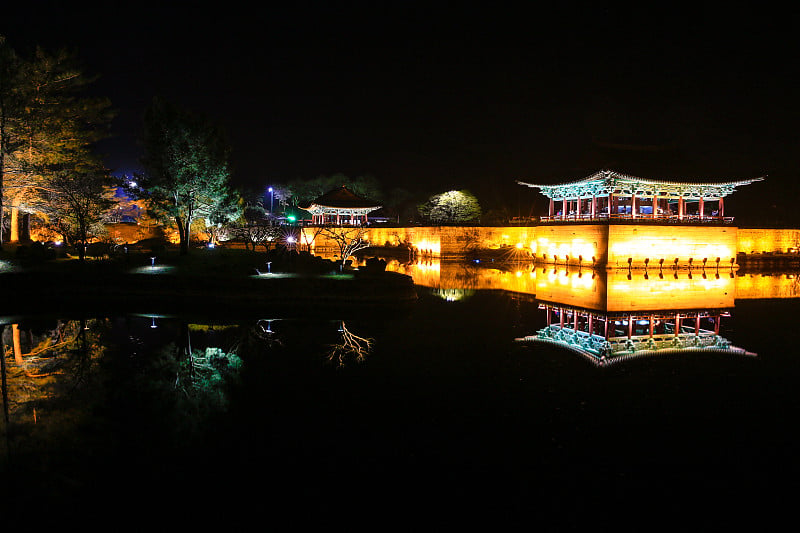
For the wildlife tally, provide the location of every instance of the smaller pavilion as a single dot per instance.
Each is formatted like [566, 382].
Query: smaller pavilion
[607, 195]
[341, 206]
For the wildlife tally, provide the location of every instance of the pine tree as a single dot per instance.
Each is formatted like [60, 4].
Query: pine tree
[186, 165]
[50, 128]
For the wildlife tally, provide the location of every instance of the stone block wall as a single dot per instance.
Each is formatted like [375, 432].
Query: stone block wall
[585, 244]
[760, 241]
[688, 244]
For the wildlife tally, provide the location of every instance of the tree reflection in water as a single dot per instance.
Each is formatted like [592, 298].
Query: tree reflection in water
[351, 347]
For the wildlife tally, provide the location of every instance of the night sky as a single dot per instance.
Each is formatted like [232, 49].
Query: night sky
[430, 97]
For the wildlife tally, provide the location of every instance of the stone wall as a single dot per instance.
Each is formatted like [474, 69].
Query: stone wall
[760, 241]
[571, 244]
[586, 244]
[688, 244]
[442, 241]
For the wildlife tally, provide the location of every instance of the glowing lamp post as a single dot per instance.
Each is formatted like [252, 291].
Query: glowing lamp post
[271, 195]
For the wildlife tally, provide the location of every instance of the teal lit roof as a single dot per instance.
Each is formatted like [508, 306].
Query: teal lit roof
[605, 182]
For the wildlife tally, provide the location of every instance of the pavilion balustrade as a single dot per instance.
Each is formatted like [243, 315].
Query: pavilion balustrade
[630, 207]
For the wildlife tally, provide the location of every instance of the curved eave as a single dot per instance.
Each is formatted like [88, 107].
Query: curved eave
[610, 179]
[314, 207]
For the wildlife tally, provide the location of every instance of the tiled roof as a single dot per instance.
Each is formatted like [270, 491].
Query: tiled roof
[342, 197]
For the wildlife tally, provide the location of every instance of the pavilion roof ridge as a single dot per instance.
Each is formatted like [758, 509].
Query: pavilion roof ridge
[343, 198]
[611, 174]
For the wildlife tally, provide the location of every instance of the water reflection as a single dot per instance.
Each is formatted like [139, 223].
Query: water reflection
[349, 348]
[612, 316]
[608, 338]
[217, 402]
[588, 288]
[616, 315]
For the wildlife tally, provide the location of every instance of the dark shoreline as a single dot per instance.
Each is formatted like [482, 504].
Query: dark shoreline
[31, 292]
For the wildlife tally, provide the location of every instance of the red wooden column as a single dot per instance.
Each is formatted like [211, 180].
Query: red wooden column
[651, 326]
[701, 207]
[677, 324]
[681, 207]
[578, 208]
[655, 207]
[630, 326]
[633, 205]
[721, 208]
[564, 209]
[550, 211]
[594, 206]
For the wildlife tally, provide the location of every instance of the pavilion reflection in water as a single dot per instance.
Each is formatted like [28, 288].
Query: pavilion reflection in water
[610, 316]
[618, 316]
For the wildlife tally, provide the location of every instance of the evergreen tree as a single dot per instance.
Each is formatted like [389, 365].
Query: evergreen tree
[186, 165]
[49, 127]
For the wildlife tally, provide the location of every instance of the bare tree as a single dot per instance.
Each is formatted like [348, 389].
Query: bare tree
[348, 239]
[256, 233]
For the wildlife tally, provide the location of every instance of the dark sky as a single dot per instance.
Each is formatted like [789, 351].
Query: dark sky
[432, 96]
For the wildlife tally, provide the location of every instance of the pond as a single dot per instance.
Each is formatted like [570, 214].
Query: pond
[439, 413]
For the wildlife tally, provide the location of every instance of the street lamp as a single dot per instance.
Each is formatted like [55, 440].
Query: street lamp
[270, 200]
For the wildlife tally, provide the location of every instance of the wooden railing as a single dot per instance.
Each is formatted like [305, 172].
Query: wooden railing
[667, 219]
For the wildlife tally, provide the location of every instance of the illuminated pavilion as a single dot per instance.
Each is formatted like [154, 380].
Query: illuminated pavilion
[619, 221]
[341, 206]
[608, 195]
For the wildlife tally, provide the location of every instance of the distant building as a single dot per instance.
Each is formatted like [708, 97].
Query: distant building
[341, 206]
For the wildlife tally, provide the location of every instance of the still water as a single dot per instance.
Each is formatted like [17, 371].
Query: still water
[461, 406]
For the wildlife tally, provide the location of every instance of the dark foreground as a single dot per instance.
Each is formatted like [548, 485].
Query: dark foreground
[445, 422]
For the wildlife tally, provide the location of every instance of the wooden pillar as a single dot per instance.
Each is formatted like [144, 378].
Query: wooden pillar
[697, 325]
[681, 207]
[630, 326]
[564, 209]
[575, 320]
[633, 205]
[651, 326]
[701, 207]
[590, 325]
[721, 208]
[578, 208]
[655, 206]
[550, 211]
[677, 324]
[594, 206]
[561, 318]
